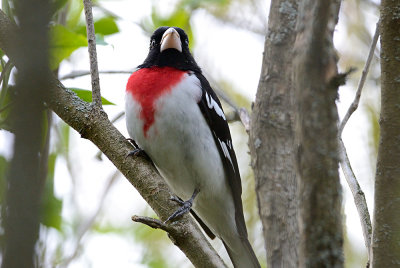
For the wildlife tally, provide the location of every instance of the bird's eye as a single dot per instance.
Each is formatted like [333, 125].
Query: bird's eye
[152, 43]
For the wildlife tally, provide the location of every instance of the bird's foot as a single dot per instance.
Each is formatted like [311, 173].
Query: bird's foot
[185, 206]
[137, 151]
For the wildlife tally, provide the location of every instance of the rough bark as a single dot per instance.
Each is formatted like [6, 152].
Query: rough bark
[272, 139]
[25, 181]
[315, 70]
[386, 227]
[94, 125]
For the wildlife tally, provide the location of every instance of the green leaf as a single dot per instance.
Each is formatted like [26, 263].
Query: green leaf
[86, 95]
[106, 26]
[103, 26]
[3, 172]
[65, 130]
[75, 8]
[5, 107]
[51, 205]
[100, 40]
[6, 8]
[62, 43]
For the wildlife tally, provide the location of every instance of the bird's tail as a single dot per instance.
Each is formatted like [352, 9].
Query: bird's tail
[243, 257]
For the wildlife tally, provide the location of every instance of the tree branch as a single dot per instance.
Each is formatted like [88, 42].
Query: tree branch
[76, 74]
[94, 125]
[151, 222]
[356, 100]
[91, 36]
[358, 195]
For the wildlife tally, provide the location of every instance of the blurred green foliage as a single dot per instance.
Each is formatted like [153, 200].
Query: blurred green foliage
[86, 95]
[62, 43]
[67, 34]
[51, 205]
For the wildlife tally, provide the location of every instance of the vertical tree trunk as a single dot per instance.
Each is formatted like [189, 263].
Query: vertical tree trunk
[315, 70]
[272, 139]
[24, 182]
[386, 227]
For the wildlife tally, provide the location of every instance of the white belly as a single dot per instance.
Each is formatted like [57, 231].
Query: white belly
[182, 147]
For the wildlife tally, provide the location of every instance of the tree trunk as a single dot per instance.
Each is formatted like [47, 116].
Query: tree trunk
[321, 238]
[272, 139]
[24, 181]
[386, 227]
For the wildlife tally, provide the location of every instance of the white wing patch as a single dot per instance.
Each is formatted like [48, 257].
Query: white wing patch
[229, 144]
[213, 105]
[225, 150]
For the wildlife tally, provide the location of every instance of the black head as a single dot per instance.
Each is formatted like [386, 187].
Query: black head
[169, 46]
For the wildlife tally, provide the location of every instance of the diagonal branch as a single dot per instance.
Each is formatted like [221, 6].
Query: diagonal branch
[358, 194]
[91, 36]
[356, 100]
[93, 124]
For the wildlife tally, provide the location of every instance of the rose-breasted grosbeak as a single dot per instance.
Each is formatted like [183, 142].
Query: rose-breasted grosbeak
[176, 118]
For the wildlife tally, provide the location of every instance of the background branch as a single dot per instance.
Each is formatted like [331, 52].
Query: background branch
[91, 37]
[356, 101]
[76, 74]
[94, 125]
[85, 227]
[358, 195]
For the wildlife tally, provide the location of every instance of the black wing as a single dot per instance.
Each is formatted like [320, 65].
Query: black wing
[212, 111]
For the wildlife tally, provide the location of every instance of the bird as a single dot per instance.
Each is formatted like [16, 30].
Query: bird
[176, 119]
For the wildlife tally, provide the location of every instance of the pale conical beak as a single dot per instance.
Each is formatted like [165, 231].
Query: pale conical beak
[171, 39]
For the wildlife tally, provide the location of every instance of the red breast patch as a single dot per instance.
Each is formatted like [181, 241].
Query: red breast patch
[147, 85]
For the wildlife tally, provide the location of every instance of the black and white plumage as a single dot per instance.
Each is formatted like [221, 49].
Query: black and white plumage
[176, 118]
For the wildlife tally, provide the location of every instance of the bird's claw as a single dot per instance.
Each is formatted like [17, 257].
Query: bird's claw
[137, 151]
[134, 152]
[177, 200]
[185, 206]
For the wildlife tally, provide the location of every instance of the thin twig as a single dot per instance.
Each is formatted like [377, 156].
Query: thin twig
[77, 74]
[151, 222]
[85, 227]
[358, 195]
[94, 71]
[356, 101]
